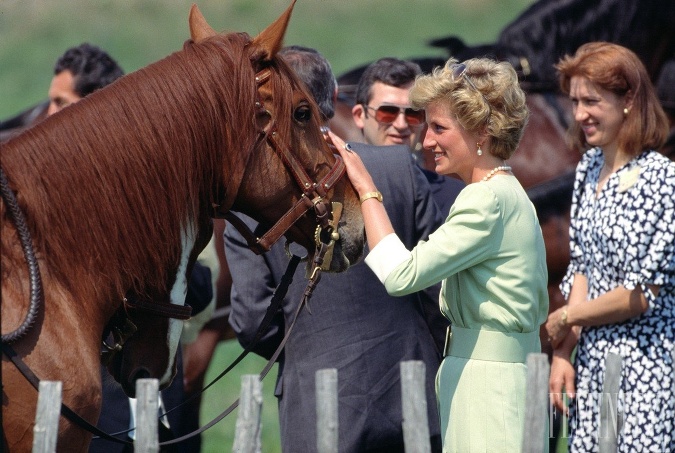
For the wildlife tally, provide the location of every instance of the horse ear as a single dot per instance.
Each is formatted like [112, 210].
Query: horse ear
[270, 39]
[199, 28]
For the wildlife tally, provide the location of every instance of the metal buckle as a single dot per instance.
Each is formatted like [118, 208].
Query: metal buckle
[332, 229]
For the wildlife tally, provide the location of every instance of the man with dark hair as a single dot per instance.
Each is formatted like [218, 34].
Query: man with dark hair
[81, 70]
[382, 110]
[78, 72]
[354, 326]
[385, 117]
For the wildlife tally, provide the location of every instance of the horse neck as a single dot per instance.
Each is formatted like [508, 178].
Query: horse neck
[138, 164]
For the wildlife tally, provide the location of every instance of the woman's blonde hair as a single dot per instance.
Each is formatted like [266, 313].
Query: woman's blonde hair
[491, 101]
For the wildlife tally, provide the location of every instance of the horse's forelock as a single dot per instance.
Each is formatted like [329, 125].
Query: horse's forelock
[121, 173]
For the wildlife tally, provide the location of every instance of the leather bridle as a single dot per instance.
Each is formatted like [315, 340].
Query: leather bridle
[120, 327]
[313, 193]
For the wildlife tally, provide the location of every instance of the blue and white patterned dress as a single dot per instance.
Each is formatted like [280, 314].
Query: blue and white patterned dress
[626, 236]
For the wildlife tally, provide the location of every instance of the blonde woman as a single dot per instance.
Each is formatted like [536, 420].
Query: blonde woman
[489, 254]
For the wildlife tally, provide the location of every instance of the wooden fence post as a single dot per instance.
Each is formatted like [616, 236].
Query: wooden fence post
[611, 419]
[147, 404]
[247, 430]
[414, 403]
[46, 429]
[536, 404]
[326, 411]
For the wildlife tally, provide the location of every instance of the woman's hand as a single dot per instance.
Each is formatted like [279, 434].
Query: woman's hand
[557, 326]
[356, 171]
[562, 377]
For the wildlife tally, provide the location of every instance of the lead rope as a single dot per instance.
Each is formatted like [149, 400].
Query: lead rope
[33, 269]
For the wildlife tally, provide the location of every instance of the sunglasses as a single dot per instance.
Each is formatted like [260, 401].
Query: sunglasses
[387, 114]
[459, 72]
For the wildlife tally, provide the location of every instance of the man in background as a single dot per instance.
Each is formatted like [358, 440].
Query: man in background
[80, 71]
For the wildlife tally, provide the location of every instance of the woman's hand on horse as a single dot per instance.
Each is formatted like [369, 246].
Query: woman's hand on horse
[356, 171]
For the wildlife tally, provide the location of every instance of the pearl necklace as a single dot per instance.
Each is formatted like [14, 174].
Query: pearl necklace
[494, 172]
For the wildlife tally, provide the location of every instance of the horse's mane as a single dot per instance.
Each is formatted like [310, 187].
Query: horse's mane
[89, 177]
[549, 29]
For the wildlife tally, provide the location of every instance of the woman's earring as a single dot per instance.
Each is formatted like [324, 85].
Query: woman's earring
[625, 111]
[479, 151]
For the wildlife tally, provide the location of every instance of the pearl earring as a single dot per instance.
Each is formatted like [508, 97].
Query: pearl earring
[479, 151]
[625, 112]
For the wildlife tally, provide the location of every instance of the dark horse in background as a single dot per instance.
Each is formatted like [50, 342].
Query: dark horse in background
[533, 43]
[118, 192]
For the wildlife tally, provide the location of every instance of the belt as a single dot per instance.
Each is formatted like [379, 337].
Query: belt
[490, 345]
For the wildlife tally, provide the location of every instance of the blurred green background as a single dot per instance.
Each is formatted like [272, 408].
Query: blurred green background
[33, 33]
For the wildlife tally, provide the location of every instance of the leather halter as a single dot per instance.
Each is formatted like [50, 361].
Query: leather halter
[313, 193]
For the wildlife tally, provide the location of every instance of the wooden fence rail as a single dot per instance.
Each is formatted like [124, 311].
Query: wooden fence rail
[536, 404]
[414, 406]
[47, 415]
[327, 411]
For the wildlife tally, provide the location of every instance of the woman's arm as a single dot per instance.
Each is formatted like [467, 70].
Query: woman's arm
[557, 324]
[612, 307]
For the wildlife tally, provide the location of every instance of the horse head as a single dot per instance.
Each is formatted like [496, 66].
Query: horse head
[290, 173]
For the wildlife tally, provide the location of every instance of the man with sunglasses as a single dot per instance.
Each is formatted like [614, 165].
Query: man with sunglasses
[382, 110]
[385, 117]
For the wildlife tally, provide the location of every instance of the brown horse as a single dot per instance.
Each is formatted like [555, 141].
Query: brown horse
[118, 192]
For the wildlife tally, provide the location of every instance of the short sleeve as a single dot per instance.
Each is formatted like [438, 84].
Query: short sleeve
[652, 248]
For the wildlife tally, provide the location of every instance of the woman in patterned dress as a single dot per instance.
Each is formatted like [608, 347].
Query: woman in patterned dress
[489, 254]
[620, 283]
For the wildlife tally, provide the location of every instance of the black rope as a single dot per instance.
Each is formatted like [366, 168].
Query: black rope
[33, 269]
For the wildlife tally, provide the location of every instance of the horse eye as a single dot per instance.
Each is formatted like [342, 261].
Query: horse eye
[302, 114]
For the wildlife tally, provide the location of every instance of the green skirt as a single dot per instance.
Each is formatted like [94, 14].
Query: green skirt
[481, 387]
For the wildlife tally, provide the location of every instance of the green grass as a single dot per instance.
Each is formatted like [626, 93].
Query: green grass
[220, 437]
[34, 33]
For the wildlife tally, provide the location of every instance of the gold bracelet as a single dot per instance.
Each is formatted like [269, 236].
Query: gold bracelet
[368, 195]
[563, 318]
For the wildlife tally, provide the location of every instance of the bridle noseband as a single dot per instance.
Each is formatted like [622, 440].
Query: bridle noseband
[314, 194]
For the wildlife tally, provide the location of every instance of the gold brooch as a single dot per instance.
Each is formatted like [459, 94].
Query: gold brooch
[628, 178]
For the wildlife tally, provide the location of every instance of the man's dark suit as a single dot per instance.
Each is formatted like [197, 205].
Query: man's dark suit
[354, 325]
[444, 190]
